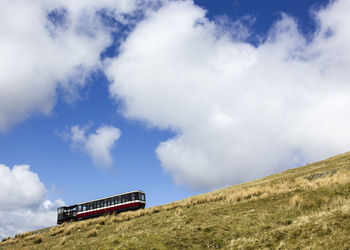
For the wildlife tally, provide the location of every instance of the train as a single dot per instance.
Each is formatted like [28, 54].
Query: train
[113, 204]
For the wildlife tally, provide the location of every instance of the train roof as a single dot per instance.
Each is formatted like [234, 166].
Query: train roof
[110, 196]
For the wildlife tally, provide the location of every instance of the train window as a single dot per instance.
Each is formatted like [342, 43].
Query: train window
[98, 204]
[133, 196]
[84, 207]
[105, 202]
[119, 199]
[90, 205]
[112, 201]
[142, 197]
[109, 201]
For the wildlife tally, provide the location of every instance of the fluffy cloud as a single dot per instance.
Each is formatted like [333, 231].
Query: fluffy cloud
[239, 111]
[47, 45]
[97, 145]
[28, 193]
[22, 201]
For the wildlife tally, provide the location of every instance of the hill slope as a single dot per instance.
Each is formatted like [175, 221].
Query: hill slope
[299, 208]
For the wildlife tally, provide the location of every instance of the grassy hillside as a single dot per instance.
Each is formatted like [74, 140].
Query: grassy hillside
[306, 207]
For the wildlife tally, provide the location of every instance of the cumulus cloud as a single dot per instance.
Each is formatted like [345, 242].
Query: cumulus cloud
[23, 206]
[238, 111]
[30, 192]
[97, 145]
[47, 45]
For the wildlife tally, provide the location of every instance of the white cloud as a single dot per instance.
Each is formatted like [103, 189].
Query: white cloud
[239, 111]
[23, 206]
[40, 54]
[97, 145]
[28, 193]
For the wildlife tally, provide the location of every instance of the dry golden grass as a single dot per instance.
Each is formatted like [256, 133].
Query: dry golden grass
[101, 220]
[35, 238]
[92, 233]
[56, 230]
[179, 212]
[9, 241]
[38, 239]
[63, 241]
[5, 239]
[23, 235]
[295, 201]
[71, 228]
[123, 226]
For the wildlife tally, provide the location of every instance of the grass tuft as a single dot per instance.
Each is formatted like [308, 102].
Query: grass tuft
[179, 212]
[5, 239]
[92, 233]
[37, 239]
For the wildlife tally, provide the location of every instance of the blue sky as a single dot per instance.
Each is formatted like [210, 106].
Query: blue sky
[204, 94]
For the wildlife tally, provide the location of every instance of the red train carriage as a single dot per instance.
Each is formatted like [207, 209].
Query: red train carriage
[117, 203]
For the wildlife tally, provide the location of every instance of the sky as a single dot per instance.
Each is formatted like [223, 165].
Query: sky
[171, 97]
